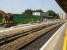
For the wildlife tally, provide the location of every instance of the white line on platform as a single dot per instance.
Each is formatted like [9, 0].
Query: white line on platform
[49, 40]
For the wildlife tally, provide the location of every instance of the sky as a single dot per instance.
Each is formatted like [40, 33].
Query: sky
[18, 6]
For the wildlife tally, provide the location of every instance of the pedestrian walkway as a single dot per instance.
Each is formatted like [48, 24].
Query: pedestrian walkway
[65, 41]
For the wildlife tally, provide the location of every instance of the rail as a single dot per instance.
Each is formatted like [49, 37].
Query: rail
[24, 40]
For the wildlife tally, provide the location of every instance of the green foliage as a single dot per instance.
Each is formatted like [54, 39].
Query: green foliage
[1, 19]
[53, 14]
[28, 12]
[38, 10]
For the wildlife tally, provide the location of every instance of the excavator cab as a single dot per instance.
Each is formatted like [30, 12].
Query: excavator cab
[8, 20]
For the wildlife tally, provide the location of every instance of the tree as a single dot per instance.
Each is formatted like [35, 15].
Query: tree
[39, 10]
[53, 14]
[57, 16]
[28, 12]
[2, 13]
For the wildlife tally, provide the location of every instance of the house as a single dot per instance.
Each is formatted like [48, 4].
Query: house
[36, 13]
[63, 16]
[45, 14]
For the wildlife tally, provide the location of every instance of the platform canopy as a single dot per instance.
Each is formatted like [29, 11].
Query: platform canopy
[2, 13]
[62, 4]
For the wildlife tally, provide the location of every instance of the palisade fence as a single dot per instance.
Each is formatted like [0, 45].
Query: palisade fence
[25, 19]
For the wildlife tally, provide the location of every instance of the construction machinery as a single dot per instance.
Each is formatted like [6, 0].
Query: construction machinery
[7, 19]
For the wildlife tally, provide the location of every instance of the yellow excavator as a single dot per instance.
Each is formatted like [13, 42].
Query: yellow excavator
[7, 20]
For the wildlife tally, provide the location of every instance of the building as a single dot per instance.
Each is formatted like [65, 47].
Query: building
[36, 13]
[45, 14]
[63, 16]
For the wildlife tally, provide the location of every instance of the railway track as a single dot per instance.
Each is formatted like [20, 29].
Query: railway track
[7, 40]
[13, 31]
[40, 41]
[10, 38]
